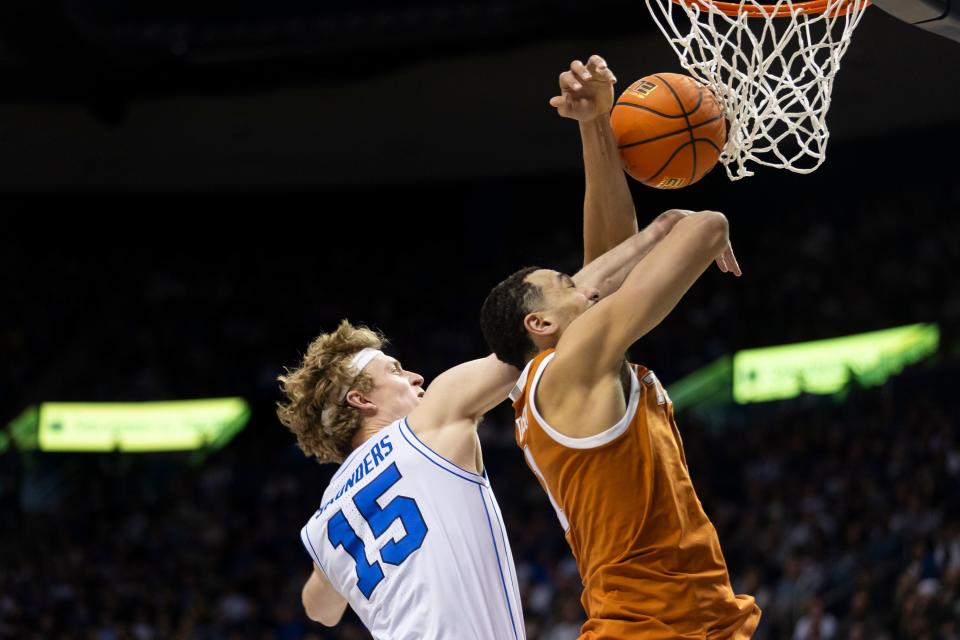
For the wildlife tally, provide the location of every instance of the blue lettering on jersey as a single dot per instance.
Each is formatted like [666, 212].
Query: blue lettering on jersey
[395, 551]
[365, 467]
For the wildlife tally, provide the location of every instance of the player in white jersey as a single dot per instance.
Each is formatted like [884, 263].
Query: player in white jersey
[408, 531]
[446, 544]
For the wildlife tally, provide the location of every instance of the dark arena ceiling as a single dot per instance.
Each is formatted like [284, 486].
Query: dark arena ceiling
[106, 95]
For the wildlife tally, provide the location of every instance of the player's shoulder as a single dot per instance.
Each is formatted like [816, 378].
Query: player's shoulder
[649, 382]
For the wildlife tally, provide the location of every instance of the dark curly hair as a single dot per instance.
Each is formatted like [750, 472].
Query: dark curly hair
[502, 314]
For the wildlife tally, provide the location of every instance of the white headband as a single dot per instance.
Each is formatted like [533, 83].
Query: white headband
[360, 361]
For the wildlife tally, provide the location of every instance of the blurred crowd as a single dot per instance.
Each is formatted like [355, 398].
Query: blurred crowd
[843, 519]
[841, 515]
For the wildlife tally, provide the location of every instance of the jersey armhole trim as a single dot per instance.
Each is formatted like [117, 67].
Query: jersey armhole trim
[438, 459]
[521, 383]
[308, 544]
[590, 442]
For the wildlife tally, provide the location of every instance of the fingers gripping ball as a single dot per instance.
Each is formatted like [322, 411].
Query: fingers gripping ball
[670, 130]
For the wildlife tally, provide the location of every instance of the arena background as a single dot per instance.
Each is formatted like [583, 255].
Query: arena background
[191, 194]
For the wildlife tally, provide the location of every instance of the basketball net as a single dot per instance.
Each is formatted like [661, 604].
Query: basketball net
[772, 67]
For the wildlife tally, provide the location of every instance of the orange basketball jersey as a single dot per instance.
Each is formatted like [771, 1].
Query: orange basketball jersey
[648, 556]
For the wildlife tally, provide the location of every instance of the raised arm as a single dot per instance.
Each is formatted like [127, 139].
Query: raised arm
[590, 352]
[461, 395]
[607, 272]
[586, 95]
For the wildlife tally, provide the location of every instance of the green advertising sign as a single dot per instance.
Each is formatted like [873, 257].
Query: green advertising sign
[828, 366]
[820, 367]
[144, 426]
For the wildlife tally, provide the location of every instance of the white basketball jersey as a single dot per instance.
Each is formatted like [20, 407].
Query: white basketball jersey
[416, 544]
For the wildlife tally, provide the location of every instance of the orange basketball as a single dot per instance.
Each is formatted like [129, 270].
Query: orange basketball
[670, 130]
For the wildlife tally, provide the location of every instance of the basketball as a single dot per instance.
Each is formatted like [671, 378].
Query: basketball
[670, 130]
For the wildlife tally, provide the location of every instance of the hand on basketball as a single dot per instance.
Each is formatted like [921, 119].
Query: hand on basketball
[586, 90]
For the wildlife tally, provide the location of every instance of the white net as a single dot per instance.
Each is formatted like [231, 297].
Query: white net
[772, 67]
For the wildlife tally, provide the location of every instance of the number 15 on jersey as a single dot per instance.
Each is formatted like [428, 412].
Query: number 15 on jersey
[394, 552]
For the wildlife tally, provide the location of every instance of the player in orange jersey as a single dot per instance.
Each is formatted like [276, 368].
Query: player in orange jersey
[599, 433]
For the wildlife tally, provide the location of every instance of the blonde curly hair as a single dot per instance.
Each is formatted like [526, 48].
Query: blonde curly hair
[316, 385]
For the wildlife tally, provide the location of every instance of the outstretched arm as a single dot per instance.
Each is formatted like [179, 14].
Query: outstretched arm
[586, 95]
[593, 345]
[607, 273]
[464, 392]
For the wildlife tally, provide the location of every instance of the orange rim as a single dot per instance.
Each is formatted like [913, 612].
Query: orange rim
[783, 11]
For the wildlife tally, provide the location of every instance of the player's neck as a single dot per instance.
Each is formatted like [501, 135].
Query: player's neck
[369, 428]
[541, 344]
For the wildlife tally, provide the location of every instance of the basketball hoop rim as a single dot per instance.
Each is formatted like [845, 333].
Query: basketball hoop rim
[781, 10]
